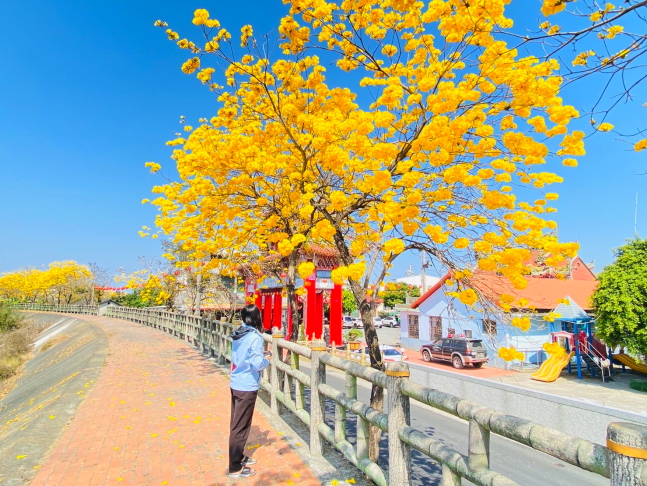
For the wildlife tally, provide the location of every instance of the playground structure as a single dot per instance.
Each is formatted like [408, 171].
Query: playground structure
[583, 350]
[626, 360]
[552, 367]
[267, 292]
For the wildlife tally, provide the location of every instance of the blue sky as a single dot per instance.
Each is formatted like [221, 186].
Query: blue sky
[91, 91]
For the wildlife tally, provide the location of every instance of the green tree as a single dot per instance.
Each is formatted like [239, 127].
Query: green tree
[348, 302]
[133, 299]
[621, 299]
[396, 293]
[9, 318]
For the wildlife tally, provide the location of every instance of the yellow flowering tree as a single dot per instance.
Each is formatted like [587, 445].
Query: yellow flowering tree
[62, 283]
[601, 39]
[454, 156]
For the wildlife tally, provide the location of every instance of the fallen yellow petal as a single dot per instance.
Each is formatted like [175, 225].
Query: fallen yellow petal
[20, 457]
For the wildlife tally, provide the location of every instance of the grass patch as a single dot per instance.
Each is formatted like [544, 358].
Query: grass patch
[9, 366]
[53, 342]
[639, 385]
[15, 343]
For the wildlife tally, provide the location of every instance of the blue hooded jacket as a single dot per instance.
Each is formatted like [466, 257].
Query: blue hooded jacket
[247, 360]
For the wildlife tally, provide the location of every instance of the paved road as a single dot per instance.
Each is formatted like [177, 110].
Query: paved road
[522, 464]
[50, 390]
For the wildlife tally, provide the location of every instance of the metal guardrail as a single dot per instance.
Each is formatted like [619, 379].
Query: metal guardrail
[286, 383]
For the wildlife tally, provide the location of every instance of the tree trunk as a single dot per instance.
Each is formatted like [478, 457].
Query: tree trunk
[367, 312]
[292, 297]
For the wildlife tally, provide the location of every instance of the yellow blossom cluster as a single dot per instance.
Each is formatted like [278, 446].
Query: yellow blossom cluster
[554, 349]
[305, 269]
[510, 354]
[353, 271]
[523, 323]
[640, 145]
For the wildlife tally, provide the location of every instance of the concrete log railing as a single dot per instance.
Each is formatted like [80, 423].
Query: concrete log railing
[66, 308]
[623, 461]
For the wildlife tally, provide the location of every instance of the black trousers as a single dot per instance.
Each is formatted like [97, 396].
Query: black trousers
[242, 409]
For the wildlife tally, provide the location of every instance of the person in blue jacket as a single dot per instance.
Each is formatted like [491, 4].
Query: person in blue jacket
[248, 359]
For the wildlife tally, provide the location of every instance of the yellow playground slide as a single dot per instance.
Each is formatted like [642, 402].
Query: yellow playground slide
[627, 360]
[552, 367]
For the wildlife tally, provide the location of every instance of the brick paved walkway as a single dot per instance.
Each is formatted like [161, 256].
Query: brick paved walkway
[159, 415]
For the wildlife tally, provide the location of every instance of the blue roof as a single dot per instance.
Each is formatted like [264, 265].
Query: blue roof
[571, 312]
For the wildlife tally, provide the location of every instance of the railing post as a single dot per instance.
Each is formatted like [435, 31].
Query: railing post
[222, 343]
[299, 388]
[479, 446]
[399, 417]
[317, 376]
[340, 411]
[449, 477]
[275, 384]
[362, 424]
[627, 445]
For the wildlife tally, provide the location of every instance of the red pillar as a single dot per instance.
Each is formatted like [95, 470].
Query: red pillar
[336, 315]
[259, 299]
[278, 311]
[267, 311]
[318, 329]
[311, 308]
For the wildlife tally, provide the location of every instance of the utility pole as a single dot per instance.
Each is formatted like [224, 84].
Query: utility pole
[636, 219]
[423, 275]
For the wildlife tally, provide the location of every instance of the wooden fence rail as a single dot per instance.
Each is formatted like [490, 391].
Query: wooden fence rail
[624, 460]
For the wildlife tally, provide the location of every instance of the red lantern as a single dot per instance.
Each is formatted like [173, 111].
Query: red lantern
[177, 273]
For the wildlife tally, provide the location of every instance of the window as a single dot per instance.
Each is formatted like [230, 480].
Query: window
[468, 333]
[489, 327]
[414, 330]
[435, 327]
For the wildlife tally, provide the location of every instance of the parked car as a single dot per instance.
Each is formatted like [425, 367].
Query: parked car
[390, 353]
[347, 322]
[377, 322]
[390, 322]
[459, 351]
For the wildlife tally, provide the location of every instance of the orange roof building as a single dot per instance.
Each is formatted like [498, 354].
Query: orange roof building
[435, 314]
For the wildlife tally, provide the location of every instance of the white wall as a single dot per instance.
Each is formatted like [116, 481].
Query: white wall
[457, 316]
